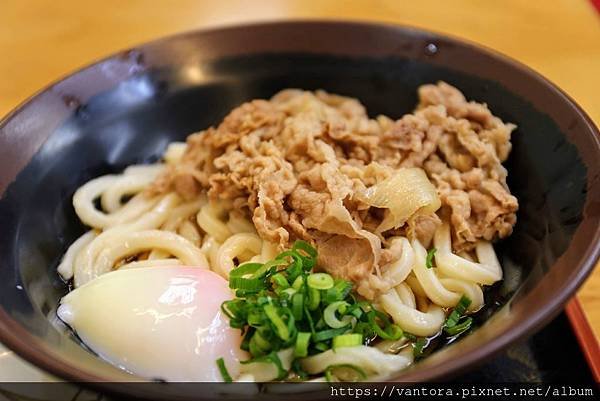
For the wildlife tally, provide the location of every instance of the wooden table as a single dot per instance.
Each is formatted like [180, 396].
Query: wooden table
[43, 40]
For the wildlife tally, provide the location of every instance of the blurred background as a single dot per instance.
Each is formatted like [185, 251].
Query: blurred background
[43, 40]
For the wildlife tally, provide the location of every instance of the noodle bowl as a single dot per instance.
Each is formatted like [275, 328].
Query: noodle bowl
[419, 261]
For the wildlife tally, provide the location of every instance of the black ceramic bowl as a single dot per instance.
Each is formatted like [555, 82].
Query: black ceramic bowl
[126, 108]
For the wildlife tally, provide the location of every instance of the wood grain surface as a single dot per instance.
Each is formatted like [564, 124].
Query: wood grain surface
[43, 40]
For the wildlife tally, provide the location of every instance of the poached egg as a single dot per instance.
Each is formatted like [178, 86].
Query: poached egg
[157, 322]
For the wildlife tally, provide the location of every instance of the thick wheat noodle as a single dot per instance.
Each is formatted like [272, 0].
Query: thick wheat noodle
[406, 295]
[471, 290]
[410, 319]
[182, 212]
[84, 262]
[429, 280]
[238, 224]
[209, 221]
[396, 272]
[151, 263]
[83, 202]
[368, 358]
[65, 268]
[134, 180]
[233, 247]
[454, 266]
[131, 243]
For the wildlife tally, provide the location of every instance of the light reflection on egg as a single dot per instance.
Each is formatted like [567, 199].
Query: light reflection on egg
[157, 322]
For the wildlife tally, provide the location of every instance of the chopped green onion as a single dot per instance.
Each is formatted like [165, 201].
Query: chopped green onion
[280, 280]
[418, 347]
[245, 269]
[258, 344]
[290, 292]
[280, 326]
[229, 308]
[273, 357]
[344, 372]
[246, 340]
[322, 347]
[306, 247]
[283, 304]
[310, 260]
[429, 259]
[460, 327]
[314, 298]
[223, 369]
[261, 341]
[394, 332]
[389, 332]
[295, 268]
[309, 319]
[245, 293]
[256, 318]
[254, 349]
[291, 322]
[246, 283]
[302, 340]
[338, 292]
[320, 324]
[356, 311]
[328, 334]
[365, 329]
[270, 358]
[329, 315]
[297, 368]
[459, 310]
[320, 281]
[298, 283]
[270, 266]
[347, 340]
[298, 306]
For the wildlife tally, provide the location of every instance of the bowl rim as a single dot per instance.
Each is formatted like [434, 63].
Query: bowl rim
[26, 345]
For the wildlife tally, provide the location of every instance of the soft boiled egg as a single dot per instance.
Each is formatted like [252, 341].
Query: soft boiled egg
[157, 322]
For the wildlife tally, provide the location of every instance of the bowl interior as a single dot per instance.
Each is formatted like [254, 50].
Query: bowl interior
[133, 121]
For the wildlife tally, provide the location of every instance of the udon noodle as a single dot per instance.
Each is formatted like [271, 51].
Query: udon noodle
[132, 226]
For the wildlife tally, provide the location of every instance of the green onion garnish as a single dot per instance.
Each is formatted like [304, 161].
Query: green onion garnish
[297, 369]
[329, 315]
[250, 284]
[298, 283]
[347, 340]
[429, 258]
[418, 347]
[459, 310]
[314, 297]
[338, 292]
[459, 328]
[345, 372]
[322, 347]
[245, 269]
[310, 260]
[302, 340]
[320, 281]
[328, 334]
[280, 326]
[283, 305]
[298, 306]
[279, 280]
[223, 369]
[389, 331]
[270, 358]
